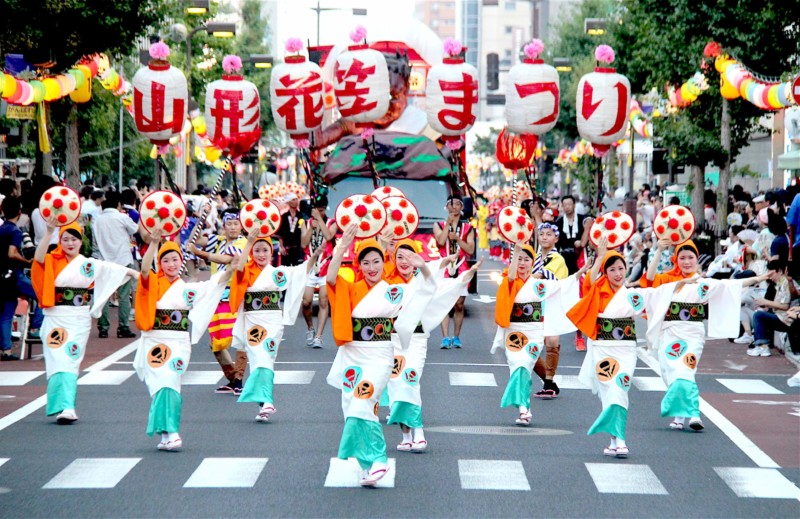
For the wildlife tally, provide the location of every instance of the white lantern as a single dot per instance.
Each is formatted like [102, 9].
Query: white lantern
[532, 94]
[233, 110]
[361, 82]
[452, 93]
[604, 99]
[160, 97]
[296, 94]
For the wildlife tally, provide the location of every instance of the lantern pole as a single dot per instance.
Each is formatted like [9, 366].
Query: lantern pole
[121, 125]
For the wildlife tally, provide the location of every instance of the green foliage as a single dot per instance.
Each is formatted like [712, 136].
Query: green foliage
[252, 40]
[486, 145]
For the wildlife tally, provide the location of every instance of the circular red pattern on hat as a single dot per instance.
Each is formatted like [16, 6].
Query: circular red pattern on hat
[610, 224]
[599, 219]
[672, 223]
[687, 226]
[368, 199]
[596, 234]
[346, 203]
[248, 223]
[520, 236]
[674, 236]
[248, 207]
[385, 203]
[509, 212]
[616, 214]
[361, 210]
[625, 225]
[168, 226]
[521, 220]
[530, 226]
[73, 206]
[151, 204]
[58, 203]
[48, 196]
[264, 229]
[660, 229]
[403, 203]
[680, 211]
[62, 218]
[364, 226]
[507, 227]
[163, 212]
[46, 212]
[612, 238]
[64, 191]
[167, 199]
[178, 212]
[397, 214]
[664, 213]
[410, 218]
[266, 203]
[376, 213]
[345, 220]
[387, 189]
[261, 214]
[399, 230]
[150, 222]
[274, 217]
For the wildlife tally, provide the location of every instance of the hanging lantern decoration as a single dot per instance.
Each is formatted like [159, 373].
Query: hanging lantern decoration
[83, 87]
[296, 95]
[452, 95]
[361, 82]
[233, 110]
[160, 97]
[604, 99]
[532, 94]
[516, 151]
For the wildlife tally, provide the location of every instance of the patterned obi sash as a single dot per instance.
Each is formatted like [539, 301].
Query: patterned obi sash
[622, 329]
[372, 329]
[689, 312]
[68, 296]
[175, 320]
[527, 312]
[267, 300]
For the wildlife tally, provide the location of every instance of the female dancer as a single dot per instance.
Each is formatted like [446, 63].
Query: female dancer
[605, 314]
[403, 389]
[522, 317]
[675, 326]
[67, 284]
[363, 314]
[165, 304]
[255, 292]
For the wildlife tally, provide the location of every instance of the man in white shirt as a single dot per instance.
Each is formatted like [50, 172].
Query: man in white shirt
[111, 232]
[89, 208]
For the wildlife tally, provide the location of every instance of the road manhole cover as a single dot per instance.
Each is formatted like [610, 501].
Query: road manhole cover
[498, 430]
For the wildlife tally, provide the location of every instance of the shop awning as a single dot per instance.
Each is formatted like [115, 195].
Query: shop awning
[790, 160]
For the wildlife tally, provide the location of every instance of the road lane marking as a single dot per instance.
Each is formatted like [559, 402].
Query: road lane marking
[294, 377]
[749, 386]
[92, 473]
[226, 473]
[114, 357]
[472, 379]
[492, 475]
[18, 378]
[733, 433]
[3, 460]
[347, 474]
[625, 479]
[568, 382]
[760, 483]
[649, 384]
[104, 378]
[201, 378]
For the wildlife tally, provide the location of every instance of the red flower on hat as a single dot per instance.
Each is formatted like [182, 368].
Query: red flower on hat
[345, 220]
[178, 212]
[520, 236]
[521, 220]
[62, 218]
[672, 223]
[364, 226]
[664, 213]
[616, 214]
[264, 229]
[248, 223]
[599, 219]
[48, 196]
[266, 203]
[261, 215]
[387, 189]
[168, 226]
[274, 217]
[368, 199]
[509, 212]
[150, 204]
[507, 227]
[399, 230]
[346, 203]
[64, 191]
[674, 237]
[150, 222]
[163, 212]
[167, 199]
[680, 211]
[397, 214]
[626, 225]
[46, 212]
[530, 226]
[248, 207]
[403, 203]
[376, 214]
[610, 224]
[410, 218]
[687, 226]
[612, 238]
[58, 203]
[597, 234]
[361, 210]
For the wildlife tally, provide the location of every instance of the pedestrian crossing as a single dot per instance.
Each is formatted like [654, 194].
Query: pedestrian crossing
[305, 377]
[613, 477]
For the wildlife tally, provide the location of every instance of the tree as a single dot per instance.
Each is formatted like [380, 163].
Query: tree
[660, 42]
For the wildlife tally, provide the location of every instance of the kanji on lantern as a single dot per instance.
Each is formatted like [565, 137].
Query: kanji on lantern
[361, 82]
[160, 97]
[233, 110]
[532, 94]
[452, 93]
[603, 102]
[296, 95]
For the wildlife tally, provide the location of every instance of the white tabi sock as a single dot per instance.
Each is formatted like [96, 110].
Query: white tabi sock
[679, 419]
[419, 435]
[621, 443]
[407, 437]
[173, 436]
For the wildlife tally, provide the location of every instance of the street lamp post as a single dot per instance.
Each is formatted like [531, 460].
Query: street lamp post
[319, 10]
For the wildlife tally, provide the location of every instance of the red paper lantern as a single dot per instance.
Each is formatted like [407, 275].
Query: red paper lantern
[604, 99]
[233, 110]
[516, 151]
[296, 93]
[532, 94]
[361, 82]
[160, 97]
[452, 93]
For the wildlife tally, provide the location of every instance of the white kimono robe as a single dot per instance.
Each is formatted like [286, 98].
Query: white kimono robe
[259, 332]
[162, 356]
[65, 329]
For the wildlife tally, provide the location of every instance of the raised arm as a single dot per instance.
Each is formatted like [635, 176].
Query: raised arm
[652, 268]
[44, 243]
[240, 261]
[338, 253]
[512, 268]
[150, 254]
[598, 261]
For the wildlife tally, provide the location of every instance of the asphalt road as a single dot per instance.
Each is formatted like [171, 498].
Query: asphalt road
[478, 463]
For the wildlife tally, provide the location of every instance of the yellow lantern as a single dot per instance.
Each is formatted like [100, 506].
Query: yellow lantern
[2, 81]
[10, 86]
[727, 90]
[83, 94]
[52, 90]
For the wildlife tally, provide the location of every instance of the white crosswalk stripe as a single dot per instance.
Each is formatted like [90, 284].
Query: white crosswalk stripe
[472, 379]
[92, 473]
[758, 482]
[615, 478]
[18, 378]
[749, 386]
[3, 461]
[492, 475]
[347, 474]
[568, 382]
[226, 473]
[201, 378]
[294, 377]
[649, 384]
[104, 378]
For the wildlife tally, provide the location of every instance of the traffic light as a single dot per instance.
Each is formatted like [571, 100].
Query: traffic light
[492, 71]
